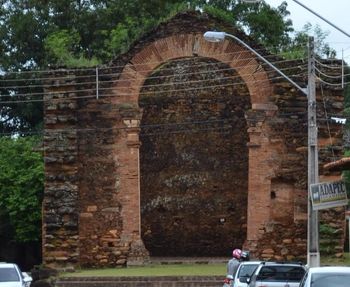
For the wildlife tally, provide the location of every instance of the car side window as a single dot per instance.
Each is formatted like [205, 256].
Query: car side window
[246, 270]
[267, 274]
[9, 275]
[281, 273]
[295, 274]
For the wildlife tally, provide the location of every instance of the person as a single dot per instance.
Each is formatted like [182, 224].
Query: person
[245, 256]
[233, 264]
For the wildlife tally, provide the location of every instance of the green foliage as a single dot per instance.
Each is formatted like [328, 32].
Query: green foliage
[219, 13]
[134, 26]
[327, 231]
[297, 46]
[21, 187]
[346, 175]
[270, 26]
[328, 239]
[63, 49]
[347, 91]
[265, 24]
[37, 34]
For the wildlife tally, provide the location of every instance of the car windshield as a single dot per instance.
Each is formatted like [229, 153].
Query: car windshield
[247, 270]
[281, 273]
[8, 274]
[333, 279]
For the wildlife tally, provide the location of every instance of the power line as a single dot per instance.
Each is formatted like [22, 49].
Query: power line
[128, 94]
[328, 66]
[326, 114]
[148, 78]
[331, 84]
[200, 65]
[92, 69]
[329, 76]
[229, 121]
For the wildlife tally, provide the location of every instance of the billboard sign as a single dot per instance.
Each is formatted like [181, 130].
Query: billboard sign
[328, 194]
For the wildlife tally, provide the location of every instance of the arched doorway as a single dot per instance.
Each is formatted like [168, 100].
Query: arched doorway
[129, 90]
[194, 158]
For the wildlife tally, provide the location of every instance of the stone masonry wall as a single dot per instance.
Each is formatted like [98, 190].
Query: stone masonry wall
[61, 200]
[284, 236]
[194, 159]
[101, 208]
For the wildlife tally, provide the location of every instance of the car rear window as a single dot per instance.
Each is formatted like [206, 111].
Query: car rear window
[281, 273]
[8, 274]
[247, 270]
[333, 279]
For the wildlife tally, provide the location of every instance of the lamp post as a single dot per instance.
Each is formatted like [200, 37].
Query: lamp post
[313, 255]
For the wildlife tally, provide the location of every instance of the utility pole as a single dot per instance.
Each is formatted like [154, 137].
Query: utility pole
[313, 253]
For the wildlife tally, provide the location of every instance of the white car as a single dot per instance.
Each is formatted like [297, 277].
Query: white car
[11, 276]
[277, 274]
[245, 271]
[332, 276]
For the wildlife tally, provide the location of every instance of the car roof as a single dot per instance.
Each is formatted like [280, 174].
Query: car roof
[269, 263]
[327, 269]
[6, 265]
[251, 262]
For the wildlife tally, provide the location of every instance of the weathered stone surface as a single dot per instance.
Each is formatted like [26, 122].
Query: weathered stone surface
[194, 169]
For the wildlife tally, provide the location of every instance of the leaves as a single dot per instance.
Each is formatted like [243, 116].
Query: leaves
[296, 47]
[21, 187]
[63, 49]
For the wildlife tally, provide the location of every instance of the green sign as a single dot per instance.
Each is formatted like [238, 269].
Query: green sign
[328, 194]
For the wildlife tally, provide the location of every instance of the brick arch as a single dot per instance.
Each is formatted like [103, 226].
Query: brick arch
[188, 45]
[256, 78]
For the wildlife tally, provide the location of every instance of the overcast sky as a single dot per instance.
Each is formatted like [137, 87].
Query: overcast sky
[335, 11]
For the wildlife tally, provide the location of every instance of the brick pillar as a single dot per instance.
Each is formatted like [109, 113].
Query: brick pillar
[260, 173]
[60, 204]
[130, 195]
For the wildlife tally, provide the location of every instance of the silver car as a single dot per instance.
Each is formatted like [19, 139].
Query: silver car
[335, 276]
[244, 271]
[277, 274]
[11, 276]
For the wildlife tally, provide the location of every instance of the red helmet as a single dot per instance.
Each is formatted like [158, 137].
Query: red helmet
[237, 253]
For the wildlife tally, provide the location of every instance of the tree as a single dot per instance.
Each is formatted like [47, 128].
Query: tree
[295, 48]
[267, 25]
[43, 34]
[21, 187]
[270, 26]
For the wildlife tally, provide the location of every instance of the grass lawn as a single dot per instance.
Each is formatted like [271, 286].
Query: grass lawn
[345, 261]
[156, 270]
[181, 269]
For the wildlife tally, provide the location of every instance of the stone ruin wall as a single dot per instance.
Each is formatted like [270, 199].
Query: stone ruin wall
[284, 237]
[194, 159]
[87, 161]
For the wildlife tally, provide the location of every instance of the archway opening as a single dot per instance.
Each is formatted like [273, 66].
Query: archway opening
[194, 159]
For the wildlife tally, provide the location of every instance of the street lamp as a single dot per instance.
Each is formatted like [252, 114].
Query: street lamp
[313, 255]
[212, 36]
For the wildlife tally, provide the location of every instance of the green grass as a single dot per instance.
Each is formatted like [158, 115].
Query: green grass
[180, 269]
[156, 270]
[345, 261]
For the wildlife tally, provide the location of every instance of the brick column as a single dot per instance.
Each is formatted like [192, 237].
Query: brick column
[60, 204]
[130, 195]
[261, 172]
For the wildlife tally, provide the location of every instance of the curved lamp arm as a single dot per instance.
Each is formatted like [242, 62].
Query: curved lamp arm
[213, 36]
